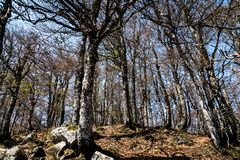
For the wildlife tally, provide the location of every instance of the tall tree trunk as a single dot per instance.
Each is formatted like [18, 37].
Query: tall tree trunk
[106, 97]
[31, 111]
[3, 109]
[86, 141]
[4, 16]
[227, 124]
[6, 126]
[134, 88]
[50, 95]
[145, 93]
[164, 91]
[76, 109]
[79, 80]
[128, 120]
[124, 68]
[62, 115]
[156, 89]
[210, 125]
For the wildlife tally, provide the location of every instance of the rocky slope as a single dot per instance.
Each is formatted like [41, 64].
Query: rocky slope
[115, 141]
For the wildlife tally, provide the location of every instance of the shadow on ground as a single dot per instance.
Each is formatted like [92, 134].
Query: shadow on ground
[175, 156]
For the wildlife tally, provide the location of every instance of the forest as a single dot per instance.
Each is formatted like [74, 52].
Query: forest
[170, 64]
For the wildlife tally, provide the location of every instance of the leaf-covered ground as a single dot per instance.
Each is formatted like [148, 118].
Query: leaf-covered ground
[156, 144]
[153, 144]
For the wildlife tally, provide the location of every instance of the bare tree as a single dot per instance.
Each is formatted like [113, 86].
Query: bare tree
[96, 20]
[19, 66]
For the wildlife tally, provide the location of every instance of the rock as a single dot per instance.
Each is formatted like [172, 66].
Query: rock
[29, 138]
[185, 141]
[100, 156]
[63, 134]
[2, 153]
[38, 152]
[15, 153]
[57, 134]
[72, 139]
[68, 154]
[58, 149]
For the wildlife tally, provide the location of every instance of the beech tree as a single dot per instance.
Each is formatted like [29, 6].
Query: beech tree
[96, 20]
[19, 66]
[142, 63]
[196, 25]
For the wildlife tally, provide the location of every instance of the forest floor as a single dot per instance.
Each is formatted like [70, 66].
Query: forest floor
[153, 144]
[156, 144]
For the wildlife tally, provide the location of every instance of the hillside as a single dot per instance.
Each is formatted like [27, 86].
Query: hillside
[122, 143]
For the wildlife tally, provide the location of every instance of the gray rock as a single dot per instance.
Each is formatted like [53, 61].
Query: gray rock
[38, 152]
[29, 138]
[15, 153]
[71, 137]
[2, 153]
[180, 140]
[58, 149]
[57, 135]
[63, 134]
[100, 156]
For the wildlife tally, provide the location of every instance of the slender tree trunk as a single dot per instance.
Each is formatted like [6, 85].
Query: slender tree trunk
[16, 116]
[62, 115]
[126, 89]
[227, 125]
[182, 109]
[79, 80]
[134, 89]
[209, 123]
[145, 93]
[3, 109]
[124, 69]
[106, 97]
[76, 109]
[156, 89]
[50, 95]
[5, 14]
[31, 111]
[6, 126]
[166, 97]
[96, 99]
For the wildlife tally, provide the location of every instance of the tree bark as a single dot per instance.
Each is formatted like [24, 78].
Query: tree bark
[134, 101]
[124, 68]
[156, 89]
[6, 126]
[86, 141]
[166, 97]
[210, 125]
[32, 107]
[62, 115]
[79, 81]
[5, 14]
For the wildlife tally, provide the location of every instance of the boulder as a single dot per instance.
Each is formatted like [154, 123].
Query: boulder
[68, 154]
[2, 152]
[57, 135]
[15, 153]
[63, 134]
[38, 152]
[29, 138]
[58, 149]
[100, 156]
